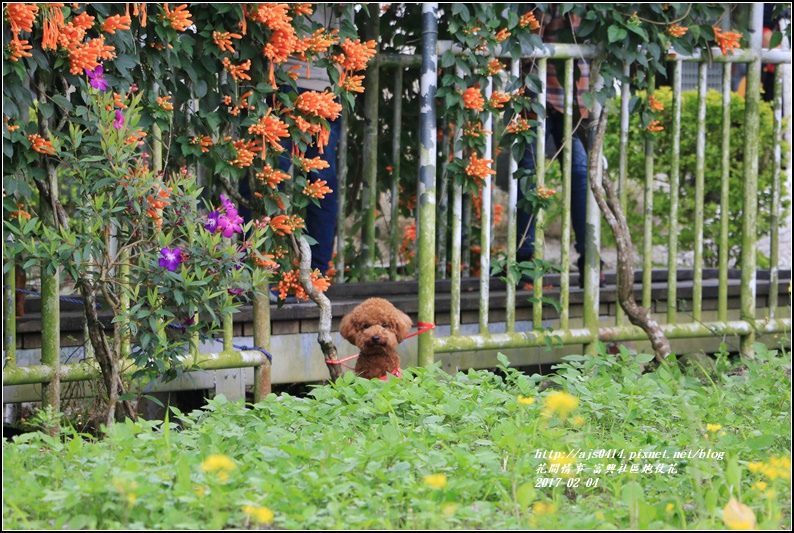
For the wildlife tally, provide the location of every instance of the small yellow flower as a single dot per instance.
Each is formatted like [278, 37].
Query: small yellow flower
[525, 401]
[759, 485]
[220, 464]
[560, 402]
[737, 515]
[669, 508]
[578, 420]
[754, 467]
[436, 481]
[541, 508]
[713, 427]
[722, 433]
[262, 515]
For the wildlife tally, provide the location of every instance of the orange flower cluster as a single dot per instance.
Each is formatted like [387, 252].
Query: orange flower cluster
[355, 54]
[164, 104]
[272, 177]
[302, 9]
[283, 42]
[204, 142]
[246, 151]
[317, 189]
[74, 32]
[306, 126]
[674, 30]
[136, 137]
[655, 104]
[273, 16]
[21, 17]
[20, 213]
[286, 225]
[307, 165]
[156, 203]
[290, 281]
[498, 99]
[86, 56]
[238, 72]
[118, 101]
[410, 202]
[544, 193]
[41, 145]
[351, 84]
[235, 110]
[51, 25]
[116, 22]
[518, 124]
[264, 260]
[10, 127]
[409, 236]
[494, 67]
[528, 19]
[271, 129]
[224, 40]
[479, 168]
[727, 41]
[472, 98]
[179, 18]
[474, 129]
[655, 126]
[19, 49]
[320, 41]
[502, 34]
[318, 104]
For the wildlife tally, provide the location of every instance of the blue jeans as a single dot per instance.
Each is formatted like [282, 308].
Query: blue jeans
[320, 220]
[554, 126]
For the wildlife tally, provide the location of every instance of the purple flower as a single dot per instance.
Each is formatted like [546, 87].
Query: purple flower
[235, 292]
[119, 122]
[230, 226]
[171, 258]
[226, 203]
[212, 222]
[96, 78]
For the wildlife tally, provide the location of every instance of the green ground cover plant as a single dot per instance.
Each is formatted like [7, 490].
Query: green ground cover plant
[437, 451]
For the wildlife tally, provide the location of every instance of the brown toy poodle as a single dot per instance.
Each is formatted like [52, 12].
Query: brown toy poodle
[376, 327]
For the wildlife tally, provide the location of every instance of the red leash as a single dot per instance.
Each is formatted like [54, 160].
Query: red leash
[422, 327]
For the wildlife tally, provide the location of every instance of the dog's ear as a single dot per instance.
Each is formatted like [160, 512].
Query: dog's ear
[404, 325]
[347, 328]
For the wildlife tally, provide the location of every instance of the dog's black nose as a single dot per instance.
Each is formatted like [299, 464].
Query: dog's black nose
[376, 338]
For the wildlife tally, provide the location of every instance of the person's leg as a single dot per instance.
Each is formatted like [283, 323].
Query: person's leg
[525, 222]
[321, 220]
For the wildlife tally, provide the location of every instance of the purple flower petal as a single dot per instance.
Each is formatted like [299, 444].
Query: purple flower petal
[171, 258]
[119, 122]
[212, 222]
[235, 292]
[96, 78]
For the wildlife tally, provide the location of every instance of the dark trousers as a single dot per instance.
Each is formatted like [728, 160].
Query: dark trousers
[554, 127]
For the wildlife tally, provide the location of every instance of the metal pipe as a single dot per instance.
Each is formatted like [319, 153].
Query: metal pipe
[675, 173]
[700, 169]
[540, 177]
[725, 217]
[396, 157]
[427, 180]
[369, 193]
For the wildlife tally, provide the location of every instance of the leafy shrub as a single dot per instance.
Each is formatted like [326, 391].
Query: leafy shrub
[432, 451]
[712, 171]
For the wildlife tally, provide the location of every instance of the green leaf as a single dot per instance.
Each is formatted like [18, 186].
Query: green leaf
[616, 33]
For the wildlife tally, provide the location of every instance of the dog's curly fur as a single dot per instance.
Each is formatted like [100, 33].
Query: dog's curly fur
[376, 327]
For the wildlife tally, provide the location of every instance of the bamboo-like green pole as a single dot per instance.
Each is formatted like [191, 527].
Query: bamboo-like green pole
[10, 317]
[725, 217]
[700, 166]
[625, 95]
[648, 222]
[369, 193]
[512, 233]
[442, 239]
[485, 227]
[750, 182]
[592, 292]
[567, 159]
[262, 379]
[51, 337]
[427, 180]
[455, 258]
[540, 176]
[395, 179]
[675, 173]
[341, 195]
[774, 258]
[228, 332]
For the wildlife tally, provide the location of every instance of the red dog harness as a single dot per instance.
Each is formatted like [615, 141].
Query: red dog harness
[422, 327]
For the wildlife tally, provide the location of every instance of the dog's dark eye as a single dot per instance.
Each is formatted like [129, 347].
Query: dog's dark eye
[385, 325]
[366, 326]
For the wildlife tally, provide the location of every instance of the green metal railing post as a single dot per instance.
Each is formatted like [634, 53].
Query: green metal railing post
[567, 159]
[722, 293]
[750, 183]
[675, 173]
[369, 193]
[540, 235]
[625, 95]
[395, 178]
[775, 207]
[10, 318]
[51, 337]
[262, 373]
[648, 222]
[341, 195]
[485, 228]
[700, 170]
[427, 180]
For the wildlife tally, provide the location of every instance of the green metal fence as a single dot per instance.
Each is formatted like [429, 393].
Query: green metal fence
[433, 249]
[592, 330]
